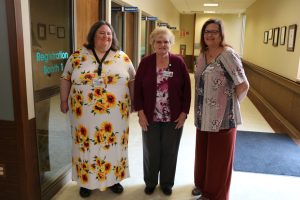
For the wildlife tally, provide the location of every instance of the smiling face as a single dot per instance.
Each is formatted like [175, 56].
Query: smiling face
[161, 44]
[103, 38]
[212, 36]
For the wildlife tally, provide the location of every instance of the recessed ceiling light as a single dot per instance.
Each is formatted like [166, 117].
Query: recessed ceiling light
[209, 11]
[211, 4]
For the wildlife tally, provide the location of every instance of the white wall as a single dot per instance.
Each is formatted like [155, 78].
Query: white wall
[233, 24]
[187, 26]
[262, 16]
[164, 10]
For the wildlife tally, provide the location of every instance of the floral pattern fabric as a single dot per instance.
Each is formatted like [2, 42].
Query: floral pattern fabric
[162, 111]
[216, 104]
[99, 116]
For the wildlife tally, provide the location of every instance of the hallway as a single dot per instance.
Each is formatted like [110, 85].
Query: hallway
[35, 139]
[245, 186]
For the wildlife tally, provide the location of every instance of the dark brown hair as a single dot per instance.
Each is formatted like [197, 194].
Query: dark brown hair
[91, 36]
[221, 30]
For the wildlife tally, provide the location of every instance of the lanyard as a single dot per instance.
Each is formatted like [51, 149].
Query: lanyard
[100, 61]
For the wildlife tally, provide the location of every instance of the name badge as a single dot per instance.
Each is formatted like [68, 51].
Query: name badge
[167, 74]
[97, 82]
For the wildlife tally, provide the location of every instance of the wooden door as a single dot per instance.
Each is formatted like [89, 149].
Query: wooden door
[129, 35]
[19, 177]
[150, 26]
[87, 13]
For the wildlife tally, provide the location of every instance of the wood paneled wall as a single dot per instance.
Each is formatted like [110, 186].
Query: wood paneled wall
[8, 157]
[87, 13]
[18, 147]
[276, 97]
[150, 26]
[129, 35]
[189, 61]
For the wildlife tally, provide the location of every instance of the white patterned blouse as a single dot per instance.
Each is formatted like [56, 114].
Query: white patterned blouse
[216, 104]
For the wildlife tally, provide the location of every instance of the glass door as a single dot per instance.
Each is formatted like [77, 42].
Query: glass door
[117, 22]
[51, 45]
[6, 104]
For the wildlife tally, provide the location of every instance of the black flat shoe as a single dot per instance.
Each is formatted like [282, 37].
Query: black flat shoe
[202, 198]
[84, 192]
[167, 191]
[196, 192]
[116, 188]
[149, 190]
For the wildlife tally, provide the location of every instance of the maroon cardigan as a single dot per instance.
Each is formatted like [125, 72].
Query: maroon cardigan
[179, 87]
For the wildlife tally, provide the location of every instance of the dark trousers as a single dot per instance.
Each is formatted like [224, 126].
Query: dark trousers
[213, 163]
[160, 150]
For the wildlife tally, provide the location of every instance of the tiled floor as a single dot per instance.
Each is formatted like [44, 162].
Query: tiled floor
[245, 186]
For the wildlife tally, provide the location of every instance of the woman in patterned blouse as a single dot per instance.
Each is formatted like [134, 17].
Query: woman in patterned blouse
[220, 85]
[162, 97]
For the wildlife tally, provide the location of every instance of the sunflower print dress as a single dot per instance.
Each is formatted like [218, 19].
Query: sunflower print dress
[99, 115]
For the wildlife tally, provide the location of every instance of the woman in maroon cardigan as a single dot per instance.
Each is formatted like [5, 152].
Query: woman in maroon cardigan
[162, 98]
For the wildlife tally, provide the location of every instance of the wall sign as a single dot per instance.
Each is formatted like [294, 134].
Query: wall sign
[124, 9]
[49, 68]
[149, 18]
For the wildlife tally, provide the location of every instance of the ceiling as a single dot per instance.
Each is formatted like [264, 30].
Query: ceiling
[225, 6]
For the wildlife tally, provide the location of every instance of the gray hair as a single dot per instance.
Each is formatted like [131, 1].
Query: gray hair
[162, 31]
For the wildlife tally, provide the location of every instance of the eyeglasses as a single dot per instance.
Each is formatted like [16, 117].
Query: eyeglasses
[213, 32]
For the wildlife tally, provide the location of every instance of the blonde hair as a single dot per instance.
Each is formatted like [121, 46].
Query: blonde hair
[162, 31]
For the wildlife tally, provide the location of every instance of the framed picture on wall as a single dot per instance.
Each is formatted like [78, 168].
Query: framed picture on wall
[52, 29]
[291, 37]
[41, 31]
[276, 36]
[282, 35]
[270, 34]
[266, 37]
[60, 32]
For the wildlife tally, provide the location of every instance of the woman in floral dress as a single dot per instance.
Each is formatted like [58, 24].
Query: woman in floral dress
[95, 88]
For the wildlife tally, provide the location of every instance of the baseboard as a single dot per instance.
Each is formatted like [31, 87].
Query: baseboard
[51, 189]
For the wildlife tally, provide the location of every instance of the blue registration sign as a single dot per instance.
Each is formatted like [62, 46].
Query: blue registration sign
[130, 9]
[162, 24]
[116, 9]
[151, 18]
